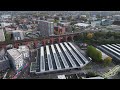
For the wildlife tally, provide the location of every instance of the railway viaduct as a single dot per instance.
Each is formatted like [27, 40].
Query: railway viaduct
[43, 40]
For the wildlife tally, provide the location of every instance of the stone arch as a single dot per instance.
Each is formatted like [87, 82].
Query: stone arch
[55, 40]
[69, 38]
[47, 42]
[76, 37]
[63, 39]
[44, 42]
[52, 40]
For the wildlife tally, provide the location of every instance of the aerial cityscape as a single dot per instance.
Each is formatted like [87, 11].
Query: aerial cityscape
[59, 44]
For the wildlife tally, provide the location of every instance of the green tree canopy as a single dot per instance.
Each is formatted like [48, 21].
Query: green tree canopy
[107, 61]
[94, 54]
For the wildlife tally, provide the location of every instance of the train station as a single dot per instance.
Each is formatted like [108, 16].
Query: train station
[58, 57]
[113, 50]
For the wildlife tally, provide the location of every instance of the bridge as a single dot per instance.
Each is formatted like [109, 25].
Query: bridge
[44, 40]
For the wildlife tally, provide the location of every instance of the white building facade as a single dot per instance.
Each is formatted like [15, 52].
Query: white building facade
[18, 35]
[2, 36]
[16, 58]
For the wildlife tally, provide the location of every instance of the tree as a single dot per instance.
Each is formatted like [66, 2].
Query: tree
[107, 61]
[98, 56]
[7, 37]
[94, 54]
[90, 35]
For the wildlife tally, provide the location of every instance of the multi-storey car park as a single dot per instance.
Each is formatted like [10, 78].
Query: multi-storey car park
[58, 57]
[113, 50]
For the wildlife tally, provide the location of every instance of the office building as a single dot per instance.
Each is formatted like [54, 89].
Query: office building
[16, 59]
[2, 36]
[18, 35]
[46, 28]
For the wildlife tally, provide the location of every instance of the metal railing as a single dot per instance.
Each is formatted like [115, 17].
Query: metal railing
[112, 72]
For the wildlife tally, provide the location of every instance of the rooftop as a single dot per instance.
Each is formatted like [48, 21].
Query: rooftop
[14, 53]
[82, 24]
[23, 48]
[59, 57]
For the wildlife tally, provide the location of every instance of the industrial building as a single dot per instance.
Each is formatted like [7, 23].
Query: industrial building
[16, 59]
[58, 57]
[112, 50]
[46, 28]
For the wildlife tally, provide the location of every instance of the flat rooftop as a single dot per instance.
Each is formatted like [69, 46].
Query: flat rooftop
[14, 53]
[59, 57]
[82, 24]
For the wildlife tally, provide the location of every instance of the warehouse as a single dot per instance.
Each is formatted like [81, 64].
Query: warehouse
[59, 57]
[113, 50]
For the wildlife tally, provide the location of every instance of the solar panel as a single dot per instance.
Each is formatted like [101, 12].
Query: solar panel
[62, 57]
[118, 44]
[68, 56]
[38, 61]
[42, 61]
[49, 58]
[86, 61]
[114, 48]
[111, 50]
[74, 55]
[55, 57]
